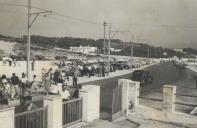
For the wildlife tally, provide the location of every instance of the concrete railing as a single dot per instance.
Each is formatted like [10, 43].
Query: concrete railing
[90, 108]
[168, 113]
[131, 90]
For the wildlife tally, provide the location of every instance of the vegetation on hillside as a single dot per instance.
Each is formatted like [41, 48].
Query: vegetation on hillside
[140, 49]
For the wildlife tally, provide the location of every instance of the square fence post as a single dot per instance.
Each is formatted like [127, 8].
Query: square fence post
[130, 93]
[169, 98]
[91, 102]
[7, 117]
[124, 84]
[134, 92]
[54, 115]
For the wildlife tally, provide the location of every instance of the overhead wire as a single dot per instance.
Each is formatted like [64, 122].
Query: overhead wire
[153, 25]
[54, 13]
[11, 4]
[97, 23]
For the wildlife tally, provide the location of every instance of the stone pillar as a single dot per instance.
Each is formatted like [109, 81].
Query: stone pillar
[169, 98]
[91, 102]
[7, 116]
[130, 93]
[54, 104]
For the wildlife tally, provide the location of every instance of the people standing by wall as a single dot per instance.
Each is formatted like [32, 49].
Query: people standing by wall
[33, 65]
[80, 67]
[64, 93]
[103, 70]
[6, 91]
[10, 61]
[15, 82]
[23, 83]
[75, 76]
[34, 84]
[28, 105]
[3, 77]
[56, 76]
[100, 70]
[89, 70]
[195, 78]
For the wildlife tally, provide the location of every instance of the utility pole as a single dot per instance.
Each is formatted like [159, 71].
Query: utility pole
[148, 55]
[30, 23]
[104, 43]
[108, 49]
[28, 40]
[132, 38]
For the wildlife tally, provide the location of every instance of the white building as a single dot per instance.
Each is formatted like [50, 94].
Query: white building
[115, 50]
[178, 50]
[84, 49]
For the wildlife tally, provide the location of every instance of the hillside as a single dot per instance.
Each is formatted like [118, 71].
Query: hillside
[44, 46]
[6, 47]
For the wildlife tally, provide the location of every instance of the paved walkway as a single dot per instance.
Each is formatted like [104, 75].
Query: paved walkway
[133, 122]
[148, 123]
[192, 67]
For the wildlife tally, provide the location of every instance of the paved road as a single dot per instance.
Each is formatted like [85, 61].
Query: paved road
[163, 74]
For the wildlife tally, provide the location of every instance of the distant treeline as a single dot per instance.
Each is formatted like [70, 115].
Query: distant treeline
[140, 49]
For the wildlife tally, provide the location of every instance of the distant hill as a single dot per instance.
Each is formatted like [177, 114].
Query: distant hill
[7, 38]
[41, 44]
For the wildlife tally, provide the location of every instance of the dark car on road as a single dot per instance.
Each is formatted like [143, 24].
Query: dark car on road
[120, 65]
[144, 77]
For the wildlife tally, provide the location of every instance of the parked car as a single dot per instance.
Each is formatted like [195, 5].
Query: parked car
[180, 65]
[144, 77]
[120, 65]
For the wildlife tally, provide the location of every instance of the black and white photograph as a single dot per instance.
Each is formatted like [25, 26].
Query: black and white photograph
[98, 64]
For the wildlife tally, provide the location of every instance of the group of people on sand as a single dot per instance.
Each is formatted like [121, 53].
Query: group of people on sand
[10, 61]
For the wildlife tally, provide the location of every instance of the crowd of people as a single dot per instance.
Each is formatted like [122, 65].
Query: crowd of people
[54, 81]
[15, 86]
[9, 61]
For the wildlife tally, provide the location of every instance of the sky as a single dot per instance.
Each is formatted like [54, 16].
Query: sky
[168, 23]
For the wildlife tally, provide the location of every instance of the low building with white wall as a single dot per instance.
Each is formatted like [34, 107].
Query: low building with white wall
[84, 49]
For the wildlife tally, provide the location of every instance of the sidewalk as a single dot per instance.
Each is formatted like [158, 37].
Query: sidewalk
[192, 67]
[133, 122]
[148, 123]
[111, 75]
